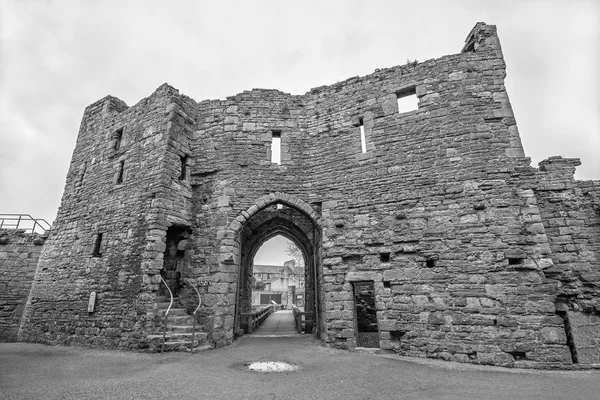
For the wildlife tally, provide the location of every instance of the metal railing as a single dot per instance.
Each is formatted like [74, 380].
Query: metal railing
[162, 347]
[24, 222]
[194, 314]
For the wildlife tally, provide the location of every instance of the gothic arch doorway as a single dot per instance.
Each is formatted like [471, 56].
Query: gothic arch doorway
[290, 217]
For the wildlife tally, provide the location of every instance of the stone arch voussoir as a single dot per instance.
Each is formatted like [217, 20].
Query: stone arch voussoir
[277, 197]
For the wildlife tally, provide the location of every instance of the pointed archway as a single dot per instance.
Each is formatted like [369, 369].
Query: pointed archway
[290, 217]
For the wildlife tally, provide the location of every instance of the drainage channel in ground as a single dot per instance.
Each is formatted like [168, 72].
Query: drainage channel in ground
[271, 366]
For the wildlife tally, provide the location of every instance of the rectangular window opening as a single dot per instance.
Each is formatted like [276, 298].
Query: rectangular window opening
[276, 147]
[183, 174]
[98, 246]
[518, 355]
[384, 257]
[117, 137]
[363, 139]
[407, 100]
[515, 261]
[121, 171]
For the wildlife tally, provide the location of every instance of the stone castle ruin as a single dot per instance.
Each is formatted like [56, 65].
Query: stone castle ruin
[433, 217]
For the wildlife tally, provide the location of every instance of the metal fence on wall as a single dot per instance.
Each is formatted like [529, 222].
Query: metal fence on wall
[24, 222]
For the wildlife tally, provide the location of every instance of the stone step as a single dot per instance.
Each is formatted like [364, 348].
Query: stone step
[181, 328]
[178, 342]
[180, 320]
[178, 336]
[181, 346]
[165, 304]
[173, 312]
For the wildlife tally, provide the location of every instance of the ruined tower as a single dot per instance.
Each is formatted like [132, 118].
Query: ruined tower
[432, 215]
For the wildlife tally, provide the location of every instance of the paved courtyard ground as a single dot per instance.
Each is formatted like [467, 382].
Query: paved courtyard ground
[29, 371]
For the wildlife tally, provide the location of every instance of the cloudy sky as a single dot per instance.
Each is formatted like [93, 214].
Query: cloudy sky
[57, 57]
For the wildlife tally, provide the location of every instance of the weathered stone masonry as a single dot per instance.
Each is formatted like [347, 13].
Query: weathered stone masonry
[474, 255]
[19, 255]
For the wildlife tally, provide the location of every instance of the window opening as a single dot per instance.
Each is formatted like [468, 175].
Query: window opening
[430, 263]
[515, 261]
[183, 174]
[276, 147]
[363, 140]
[117, 137]
[384, 257]
[98, 246]
[83, 169]
[407, 100]
[121, 170]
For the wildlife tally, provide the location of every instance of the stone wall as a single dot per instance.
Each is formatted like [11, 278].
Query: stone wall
[19, 254]
[470, 250]
[571, 217]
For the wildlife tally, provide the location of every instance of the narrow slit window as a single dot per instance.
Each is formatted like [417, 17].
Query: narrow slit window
[183, 174]
[363, 139]
[276, 147]
[117, 137]
[121, 172]
[407, 100]
[82, 172]
[98, 246]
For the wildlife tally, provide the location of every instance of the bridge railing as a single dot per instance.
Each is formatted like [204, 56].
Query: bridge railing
[24, 222]
[255, 319]
[304, 320]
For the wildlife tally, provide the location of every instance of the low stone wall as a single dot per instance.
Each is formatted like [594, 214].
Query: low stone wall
[19, 254]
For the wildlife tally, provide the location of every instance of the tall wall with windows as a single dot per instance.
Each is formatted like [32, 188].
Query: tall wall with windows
[433, 204]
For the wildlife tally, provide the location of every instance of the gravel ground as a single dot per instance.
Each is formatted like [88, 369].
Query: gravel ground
[30, 371]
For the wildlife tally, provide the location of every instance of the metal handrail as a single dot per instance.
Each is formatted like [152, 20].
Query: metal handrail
[194, 314]
[23, 218]
[162, 347]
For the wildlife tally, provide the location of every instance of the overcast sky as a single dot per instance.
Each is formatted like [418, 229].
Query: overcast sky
[57, 57]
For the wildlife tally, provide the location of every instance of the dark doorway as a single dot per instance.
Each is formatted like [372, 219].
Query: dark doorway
[174, 263]
[269, 298]
[367, 334]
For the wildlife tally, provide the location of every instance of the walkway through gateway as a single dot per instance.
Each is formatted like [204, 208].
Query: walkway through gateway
[279, 324]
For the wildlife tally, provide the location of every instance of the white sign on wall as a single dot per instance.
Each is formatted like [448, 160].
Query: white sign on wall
[92, 302]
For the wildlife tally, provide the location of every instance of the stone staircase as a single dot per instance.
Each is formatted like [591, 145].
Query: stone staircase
[180, 328]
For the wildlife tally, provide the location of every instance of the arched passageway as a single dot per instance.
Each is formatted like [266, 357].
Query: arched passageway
[280, 217]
